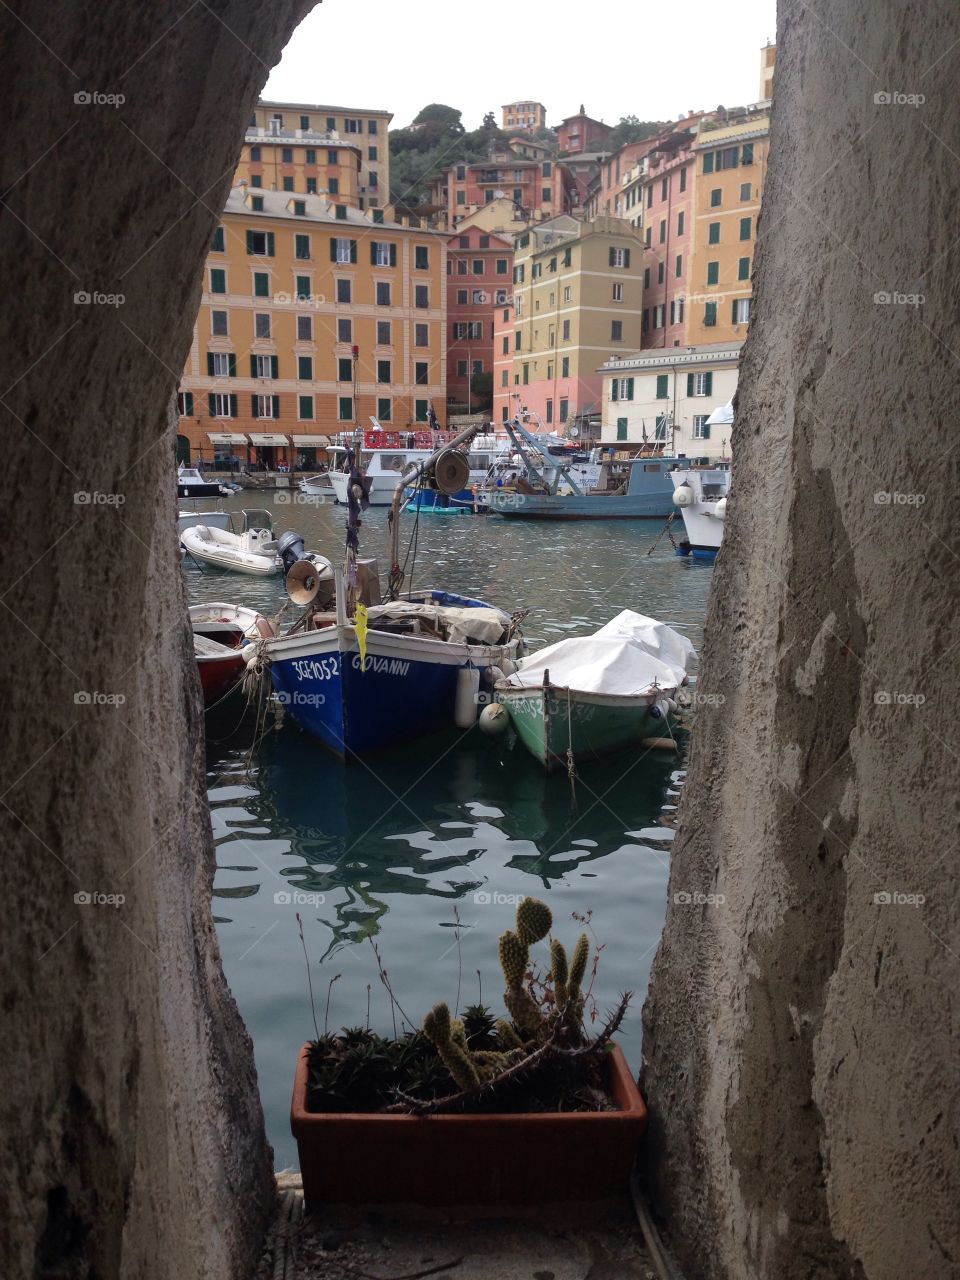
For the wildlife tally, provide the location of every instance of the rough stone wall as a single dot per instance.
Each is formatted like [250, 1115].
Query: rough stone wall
[801, 1048]
[131, 1138]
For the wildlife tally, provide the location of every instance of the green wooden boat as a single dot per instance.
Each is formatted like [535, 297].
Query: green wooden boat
[560, 725]
[614, 690]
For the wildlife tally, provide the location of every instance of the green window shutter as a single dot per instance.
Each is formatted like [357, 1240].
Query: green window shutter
[629, 395]
[743, 269]
[714, 233]
[733, 311]
[621, 428]
[306, 407]
[353, 250]
[218, 280]
[713, 273]
[708, 384]
[209, 364]
[612, 258]
[253, 366]
[271, 244]
[188, 404]
[249, 242]
[303, 286]
[261, 285]
[274, 366]
[393, 255]
[626, 257]
[304, 367]
[706, 431]
[373, 253]
[232, 364]
[615, 389]
[212, 405]
[746, 227]
[276, 406]
[689, 384]
[663, 386]
[254, 410]
[710, 314]
[234, 406]
[333, 249]
[748, 153]
[708, 162]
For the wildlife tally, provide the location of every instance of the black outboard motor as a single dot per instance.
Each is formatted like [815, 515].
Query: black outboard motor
[290, 549]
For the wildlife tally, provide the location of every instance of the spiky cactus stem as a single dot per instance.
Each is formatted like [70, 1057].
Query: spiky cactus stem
[507, 1035]
[513, 958]
[558, 969]
[438, 1029]
[578, 963]
[523, 1009]
[534, 920]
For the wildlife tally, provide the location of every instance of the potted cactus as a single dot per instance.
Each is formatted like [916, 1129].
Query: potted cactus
[475, 1110]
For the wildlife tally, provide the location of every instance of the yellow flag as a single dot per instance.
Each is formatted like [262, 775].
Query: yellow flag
[361, 629]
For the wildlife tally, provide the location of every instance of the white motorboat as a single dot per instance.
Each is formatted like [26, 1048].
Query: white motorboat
[191, 484]
[701, 495]
[251, 549]
[318, 486]
[220, 632]
[385, 457]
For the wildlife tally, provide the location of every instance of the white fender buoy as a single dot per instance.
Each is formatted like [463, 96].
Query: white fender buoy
[508, 666]
[494, 719]
[721, 509]
[492, 675]
[465, 706]
[683, 495]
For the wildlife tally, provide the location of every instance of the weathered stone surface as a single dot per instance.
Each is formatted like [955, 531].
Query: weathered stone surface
[131, 1139]
[801, 1036]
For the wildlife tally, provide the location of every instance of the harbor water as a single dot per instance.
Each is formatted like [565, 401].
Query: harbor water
[424, 851]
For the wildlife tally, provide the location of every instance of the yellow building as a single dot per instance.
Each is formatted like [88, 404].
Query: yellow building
[768, 62]
[730, 169]
[523, 117]
[316, 144]
[314, 316]
[577, 302]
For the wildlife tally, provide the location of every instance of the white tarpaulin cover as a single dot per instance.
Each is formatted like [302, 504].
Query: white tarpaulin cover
[482, 626]
[628, 656]
[721, 417]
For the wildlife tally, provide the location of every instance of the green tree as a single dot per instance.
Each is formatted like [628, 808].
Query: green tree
[481, 391]
[631, 129]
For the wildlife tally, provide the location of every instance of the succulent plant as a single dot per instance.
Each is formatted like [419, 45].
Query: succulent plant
[534, 920]
[578, 962]
[455, 1057]
[558, 970]
[513, 958]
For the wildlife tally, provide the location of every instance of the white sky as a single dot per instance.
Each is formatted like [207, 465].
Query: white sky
[617, 57]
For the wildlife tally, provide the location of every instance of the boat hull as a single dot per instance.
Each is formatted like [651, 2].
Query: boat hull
[221, 556]
[208, 490]
[551, 722]
[406, 687]
[587, 506]
[219, 675]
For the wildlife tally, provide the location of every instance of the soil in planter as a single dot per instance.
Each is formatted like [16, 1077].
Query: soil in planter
[359, 1071]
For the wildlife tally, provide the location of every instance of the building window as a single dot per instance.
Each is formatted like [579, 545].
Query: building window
[421, 296]
[716, 198]
[713, 273]
[223, 406]
[383, 371]
[549, 411]
[621, 389]
[383, 333]
[256, 181]
[218, 280]
[343, 290]
[461, 368]
[344, 330]
[713, 233]
[344, 369]
[621, 428]
[506, 344]
[264, 367]
[564, 410]
[741, 310]
[646, 277]
[255, 151]
[647, 237]
[261, 325]
[421, 373]
[260, 244]
[503, 378]
[747, 153]
[304, 368]
[345, 408]
[565, 367]
[265, 406]
[185, 404]
[663, 230]
[566, 331]
[743, 269]
[502, 266]
[421, 257]
[618, 292]
[218, 323]
[383, 253]
[661, 272]
[477, 266]
[305, 408]
[663, 386]
[616, 330]
[421, 335]
[371, 126]
[383, 293]
[421, 410]
[678, 270]
[218, 245]
[619, 257]
[650, 196]
[311, 155]
[261, 284]
[288, 184]
[746, 228]
[220, 362]
[462, 297]
[304, 328]
[745, 190]
[311, 186]
[659, 315]
[700, 429]
[384, 408]
[342, 250]
[566, 293]
[676, 311]
[683, 179]
[371, 153]
[700, 384]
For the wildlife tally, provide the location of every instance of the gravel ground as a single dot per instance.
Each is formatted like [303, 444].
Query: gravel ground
[562, 1243]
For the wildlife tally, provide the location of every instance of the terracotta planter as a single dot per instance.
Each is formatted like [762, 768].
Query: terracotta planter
[456, 1159]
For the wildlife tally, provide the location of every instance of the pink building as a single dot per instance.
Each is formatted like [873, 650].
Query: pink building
[668, 222]
[582, 133]
[479, 272]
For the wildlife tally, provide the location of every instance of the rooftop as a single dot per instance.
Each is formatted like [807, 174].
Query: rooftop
[667, 357]
[314, 106]
[317, 208]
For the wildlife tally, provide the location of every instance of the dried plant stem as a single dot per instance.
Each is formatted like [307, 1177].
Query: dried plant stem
[313, 1007]
[394, 1002]
[326, 1012]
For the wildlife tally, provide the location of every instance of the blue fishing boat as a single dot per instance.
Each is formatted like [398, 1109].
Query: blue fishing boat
[637, 488]
[359, 674]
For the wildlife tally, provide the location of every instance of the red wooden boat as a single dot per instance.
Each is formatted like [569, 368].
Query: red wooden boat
[220, 632]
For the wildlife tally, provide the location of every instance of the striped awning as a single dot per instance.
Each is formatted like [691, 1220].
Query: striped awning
[226, 437]
[311, 442]
[268, 438]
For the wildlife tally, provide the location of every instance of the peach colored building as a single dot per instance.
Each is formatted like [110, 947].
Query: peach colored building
[539, 189]
[666, 196]
[525, 116]
[479, 272]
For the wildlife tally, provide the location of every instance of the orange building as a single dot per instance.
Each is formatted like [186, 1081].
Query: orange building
[314, 317]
